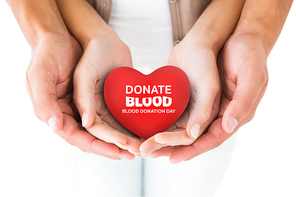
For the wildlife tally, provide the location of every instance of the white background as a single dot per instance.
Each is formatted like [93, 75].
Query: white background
[263, 162]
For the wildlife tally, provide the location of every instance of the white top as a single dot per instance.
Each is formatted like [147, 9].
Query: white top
[145, 26]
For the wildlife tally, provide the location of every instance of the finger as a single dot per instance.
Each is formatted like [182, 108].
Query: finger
[84, 92]
[250, 116]
[165, 139]
[163, 152]
[124, 154]
[247, 91]
[213, 138]
[106, 133]
[148, 146]
[202, 114]
[173, 138]
[133, 142]
[42, 90]
[84, 140]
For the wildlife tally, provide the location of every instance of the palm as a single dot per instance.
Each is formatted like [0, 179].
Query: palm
[100, 58]
[200, 66]
[243, 74]
[50, 72]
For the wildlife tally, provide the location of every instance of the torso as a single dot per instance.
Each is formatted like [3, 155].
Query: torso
[145, 26]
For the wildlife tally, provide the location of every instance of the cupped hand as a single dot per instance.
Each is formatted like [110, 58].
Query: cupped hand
[101, 56]
[49, 76]
[243, 71]
[49, 83]
[199, 63]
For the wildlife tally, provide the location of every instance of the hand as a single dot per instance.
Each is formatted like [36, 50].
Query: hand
[244, 76]
[199, 63]
[101, 56]
[49, 83]
[49, 76]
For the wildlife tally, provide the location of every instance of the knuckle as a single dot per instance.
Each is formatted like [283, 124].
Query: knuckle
[79, 100]
[263, 76]
[247, 107]
[217, 141]
[250, 117]
[217, 144]
[206, 114]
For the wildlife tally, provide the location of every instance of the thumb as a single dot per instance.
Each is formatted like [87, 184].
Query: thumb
[42, 91]
[84, 95]
[202, 112]
[245, 97]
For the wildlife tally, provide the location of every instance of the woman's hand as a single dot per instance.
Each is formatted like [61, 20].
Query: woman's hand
[197, 55]
[101, 56]
[103, 51]
[199, 63]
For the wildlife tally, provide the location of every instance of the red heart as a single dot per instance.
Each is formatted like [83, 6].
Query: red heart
[147, 104]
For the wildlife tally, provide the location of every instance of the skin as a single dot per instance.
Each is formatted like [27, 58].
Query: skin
[243, 72]
[55, 54]
[103, 52]
[241, 67]
[202, 42]
[196, 55]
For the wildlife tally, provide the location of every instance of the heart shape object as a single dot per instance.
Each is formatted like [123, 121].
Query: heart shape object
[147, 104]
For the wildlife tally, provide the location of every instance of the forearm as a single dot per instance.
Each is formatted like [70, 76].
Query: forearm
[265, 19]
[83, 21]
[216, 23]
[37, 18]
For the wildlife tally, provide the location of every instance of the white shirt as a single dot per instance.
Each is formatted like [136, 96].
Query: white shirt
[145, 26]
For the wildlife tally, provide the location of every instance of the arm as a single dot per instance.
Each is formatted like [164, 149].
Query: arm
[196, 55]
[83, 21]
[216, 24]
[243, 69]
[37, 19]
[265, 19]
[41, 24]
[256, 33]
[55, 54]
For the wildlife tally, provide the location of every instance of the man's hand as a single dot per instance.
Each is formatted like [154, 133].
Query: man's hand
[49, 76]
[49, 83]
[244, 78]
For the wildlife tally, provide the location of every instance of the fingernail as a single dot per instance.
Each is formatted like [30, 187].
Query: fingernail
[84, 119]
[232, 123]
[52, 122]
[136, 154]
[146, 155]
[120, 145]
[195, 130]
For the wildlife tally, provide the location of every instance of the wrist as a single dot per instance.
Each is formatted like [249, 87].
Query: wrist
[96, 35]
[38, 19]
[258, 32]
[264, 22]
[202, 40]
